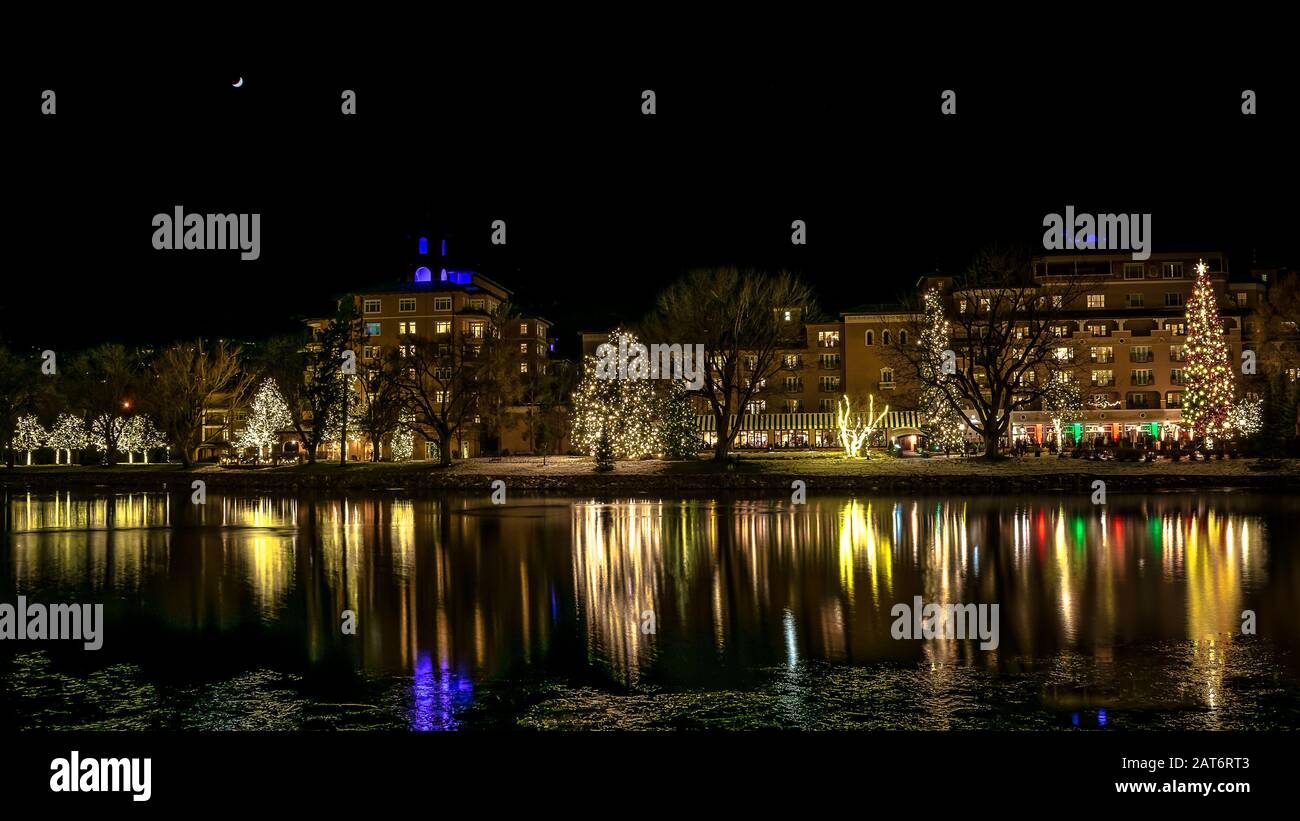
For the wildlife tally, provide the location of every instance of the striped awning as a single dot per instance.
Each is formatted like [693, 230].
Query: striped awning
[807, 421]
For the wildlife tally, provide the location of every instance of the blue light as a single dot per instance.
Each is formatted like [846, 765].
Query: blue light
[1074, 719]
[444, 247]
[1101, 718]
[459, 277]
[423, 274]
[424, 245]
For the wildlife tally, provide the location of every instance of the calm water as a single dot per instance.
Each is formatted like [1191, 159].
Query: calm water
[469, 615]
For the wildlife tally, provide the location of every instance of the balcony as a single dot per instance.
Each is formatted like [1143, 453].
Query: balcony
[886, 386]
[1140, 357]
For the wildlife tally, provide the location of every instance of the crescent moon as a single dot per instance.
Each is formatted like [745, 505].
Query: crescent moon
[238, 84]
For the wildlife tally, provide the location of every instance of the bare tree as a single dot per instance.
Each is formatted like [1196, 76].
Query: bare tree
[186, 379]
[100, 385]
[1010, 337]
[379, 402]
[740, 317]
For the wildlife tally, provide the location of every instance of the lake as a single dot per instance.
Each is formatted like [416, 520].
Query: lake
[654, 613]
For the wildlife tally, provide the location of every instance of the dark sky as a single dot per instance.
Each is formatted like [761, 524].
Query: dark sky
[604, 205]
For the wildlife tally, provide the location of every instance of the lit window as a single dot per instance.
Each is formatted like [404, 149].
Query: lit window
[523, 367]
[787, 316]
[442, 326]
[1096, 300]
[372, 329]
[406, 327]
[523, 347]
[828, 339]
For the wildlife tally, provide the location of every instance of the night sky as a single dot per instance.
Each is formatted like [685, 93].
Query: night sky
[604, 205]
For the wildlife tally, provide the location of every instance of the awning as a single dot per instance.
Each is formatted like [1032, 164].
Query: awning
[807, 421]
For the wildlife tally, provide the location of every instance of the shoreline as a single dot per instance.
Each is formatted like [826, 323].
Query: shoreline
[767, 474]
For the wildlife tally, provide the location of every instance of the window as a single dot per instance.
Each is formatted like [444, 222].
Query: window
[1060, 331]
[442, 326]
[1099, 330]
[885, 338]
[902, 337]
[1102, 355]
[961, 306]
[373, 306]
[1063, 354]
[756, 406]
[1140, 376]
[523, 347]
[1242, 299]
[523, 367]
[474, 329]
[477, 304]
[1172, 270]
[829, 361]
[407, 327]
[1135, 300]
[1139, 400]
[1176, 376]
[1134, 270]
[406, 305]
[886, 376]
[794, 406]
[1096, 300]
[792, 362]
[442, 303]
[1177, 353]
[871, 338]
[1176, 328]
[369, 351]
[372, 329]
[986, 304]
[523, 329]
[829, 384]
[1174, 399]
[787, 316]
[793, 384]
[828, 339]
[1173, 300]
[1103, 379]
[1140, 353]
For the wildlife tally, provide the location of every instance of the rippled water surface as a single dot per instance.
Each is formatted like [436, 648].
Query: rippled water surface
[654, 613]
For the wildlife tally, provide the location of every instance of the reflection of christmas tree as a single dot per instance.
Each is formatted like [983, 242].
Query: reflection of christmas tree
[1207, 399]
[941, 425]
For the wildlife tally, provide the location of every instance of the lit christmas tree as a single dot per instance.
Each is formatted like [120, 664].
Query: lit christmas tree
[1247, 416]
[941, 424]
[28, 435]
[105, 435]
[1208, 398]
[1063, 402]
[620, 403]
[67, 435]
[139, 433]
[856, 429]
[679, 424]
[268, 415]
[402, 442]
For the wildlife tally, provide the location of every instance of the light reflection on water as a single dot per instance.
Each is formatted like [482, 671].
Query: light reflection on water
[543, 611]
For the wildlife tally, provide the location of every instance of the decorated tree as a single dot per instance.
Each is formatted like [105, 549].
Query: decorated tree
[1063, 402]
[1246, 418]
[105, 436]
[140, 434]
[1208, 397]
[855, 427]
[679, 428]
[942, 423]
[268, 415]
[67, 435]
[617, 403]
[402, 442]
[345, 417]
[28, 435]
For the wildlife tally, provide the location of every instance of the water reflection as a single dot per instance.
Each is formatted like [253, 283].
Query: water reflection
[460, 599]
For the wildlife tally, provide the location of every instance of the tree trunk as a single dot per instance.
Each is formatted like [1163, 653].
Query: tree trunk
[991, 436]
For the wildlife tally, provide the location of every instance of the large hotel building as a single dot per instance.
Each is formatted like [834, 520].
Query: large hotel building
[1124, 340]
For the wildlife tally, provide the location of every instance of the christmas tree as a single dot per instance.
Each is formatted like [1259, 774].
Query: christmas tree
[679, 425]
[28, 435]
[1208, 398]
[941, 425]
[67, 435]
[617, 402]
[267, 416]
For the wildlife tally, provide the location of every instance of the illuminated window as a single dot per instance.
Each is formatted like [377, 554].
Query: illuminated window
[406, 327]
[523, 367]
[1096, 300]
[1102, 379]
[523, 329]
[1174, 399]
[787, 316]
[424, 245]
[1099, 330]
[372, 329]
[523, 347]
[442, 326]
[1176, 328]
[474, 329]
[828, 339]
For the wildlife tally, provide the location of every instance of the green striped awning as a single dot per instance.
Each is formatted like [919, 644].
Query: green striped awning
[807, 421]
